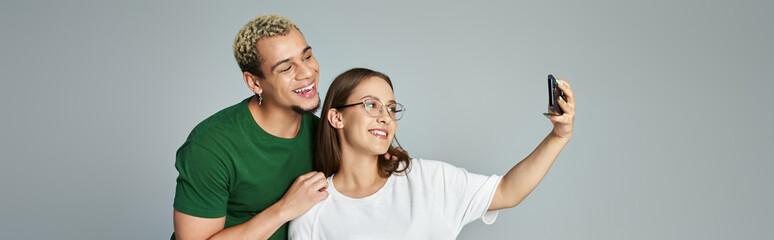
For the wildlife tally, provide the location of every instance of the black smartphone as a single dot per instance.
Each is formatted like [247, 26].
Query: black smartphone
[553, 96]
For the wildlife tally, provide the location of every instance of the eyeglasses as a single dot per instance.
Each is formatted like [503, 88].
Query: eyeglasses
[375, 107]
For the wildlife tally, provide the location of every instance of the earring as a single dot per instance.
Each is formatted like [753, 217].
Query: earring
[260, 99]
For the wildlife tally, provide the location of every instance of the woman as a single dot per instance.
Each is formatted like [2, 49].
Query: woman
[371, 197]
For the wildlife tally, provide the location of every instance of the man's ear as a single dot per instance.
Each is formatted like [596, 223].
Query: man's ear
[334, 118]
[252, 82]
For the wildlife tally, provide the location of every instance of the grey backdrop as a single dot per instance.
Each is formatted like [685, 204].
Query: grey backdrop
[672, 137]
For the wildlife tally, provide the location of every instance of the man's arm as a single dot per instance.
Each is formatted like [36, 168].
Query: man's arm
[527, 174]
[261, 226]
[307, 190]
[190, 227]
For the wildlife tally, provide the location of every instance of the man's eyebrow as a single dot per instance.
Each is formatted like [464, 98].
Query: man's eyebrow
[308, 48]
[278, 63]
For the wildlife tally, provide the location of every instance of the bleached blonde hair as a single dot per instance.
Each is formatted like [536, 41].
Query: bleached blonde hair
[245, 50]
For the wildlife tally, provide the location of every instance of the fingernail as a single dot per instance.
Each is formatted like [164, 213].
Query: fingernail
[559, 83]
[561, 99]
[547, 114]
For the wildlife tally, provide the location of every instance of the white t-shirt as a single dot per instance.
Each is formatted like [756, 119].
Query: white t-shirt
[433, 201]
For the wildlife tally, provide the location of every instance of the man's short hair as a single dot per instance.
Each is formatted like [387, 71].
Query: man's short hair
[245, 50]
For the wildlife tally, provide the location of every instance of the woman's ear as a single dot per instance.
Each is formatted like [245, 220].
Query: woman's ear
[334, 118]
[252, 82]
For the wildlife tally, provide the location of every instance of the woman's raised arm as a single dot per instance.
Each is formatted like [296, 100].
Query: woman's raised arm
[525, 176]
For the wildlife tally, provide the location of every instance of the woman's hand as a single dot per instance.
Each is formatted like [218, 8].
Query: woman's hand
[563, 123]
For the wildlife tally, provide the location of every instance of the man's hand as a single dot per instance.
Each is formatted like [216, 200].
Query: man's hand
[306, 191]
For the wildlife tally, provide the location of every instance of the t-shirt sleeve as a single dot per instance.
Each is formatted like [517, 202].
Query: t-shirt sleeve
[466, 196]
[202, 183]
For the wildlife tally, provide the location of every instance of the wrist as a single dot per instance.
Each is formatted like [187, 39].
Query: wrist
[278, 211]
[556, 137]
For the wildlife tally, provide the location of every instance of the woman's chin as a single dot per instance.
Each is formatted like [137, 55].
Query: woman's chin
[382, 151]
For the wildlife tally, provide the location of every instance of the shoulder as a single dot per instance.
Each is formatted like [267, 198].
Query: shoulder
[428, 166]
[213, 130]
[428, 172]
[433, 173]
[219, 122]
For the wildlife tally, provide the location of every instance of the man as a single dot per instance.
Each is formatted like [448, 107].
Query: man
[246, 171]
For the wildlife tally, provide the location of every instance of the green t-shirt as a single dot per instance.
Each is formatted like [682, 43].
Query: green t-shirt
[231, 167]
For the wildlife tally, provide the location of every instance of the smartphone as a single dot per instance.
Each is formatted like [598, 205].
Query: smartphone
[553, 96]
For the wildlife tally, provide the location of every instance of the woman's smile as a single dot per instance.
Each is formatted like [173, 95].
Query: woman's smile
[379, 132]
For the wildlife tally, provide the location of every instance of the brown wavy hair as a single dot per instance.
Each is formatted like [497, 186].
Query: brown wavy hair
[327, 151]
